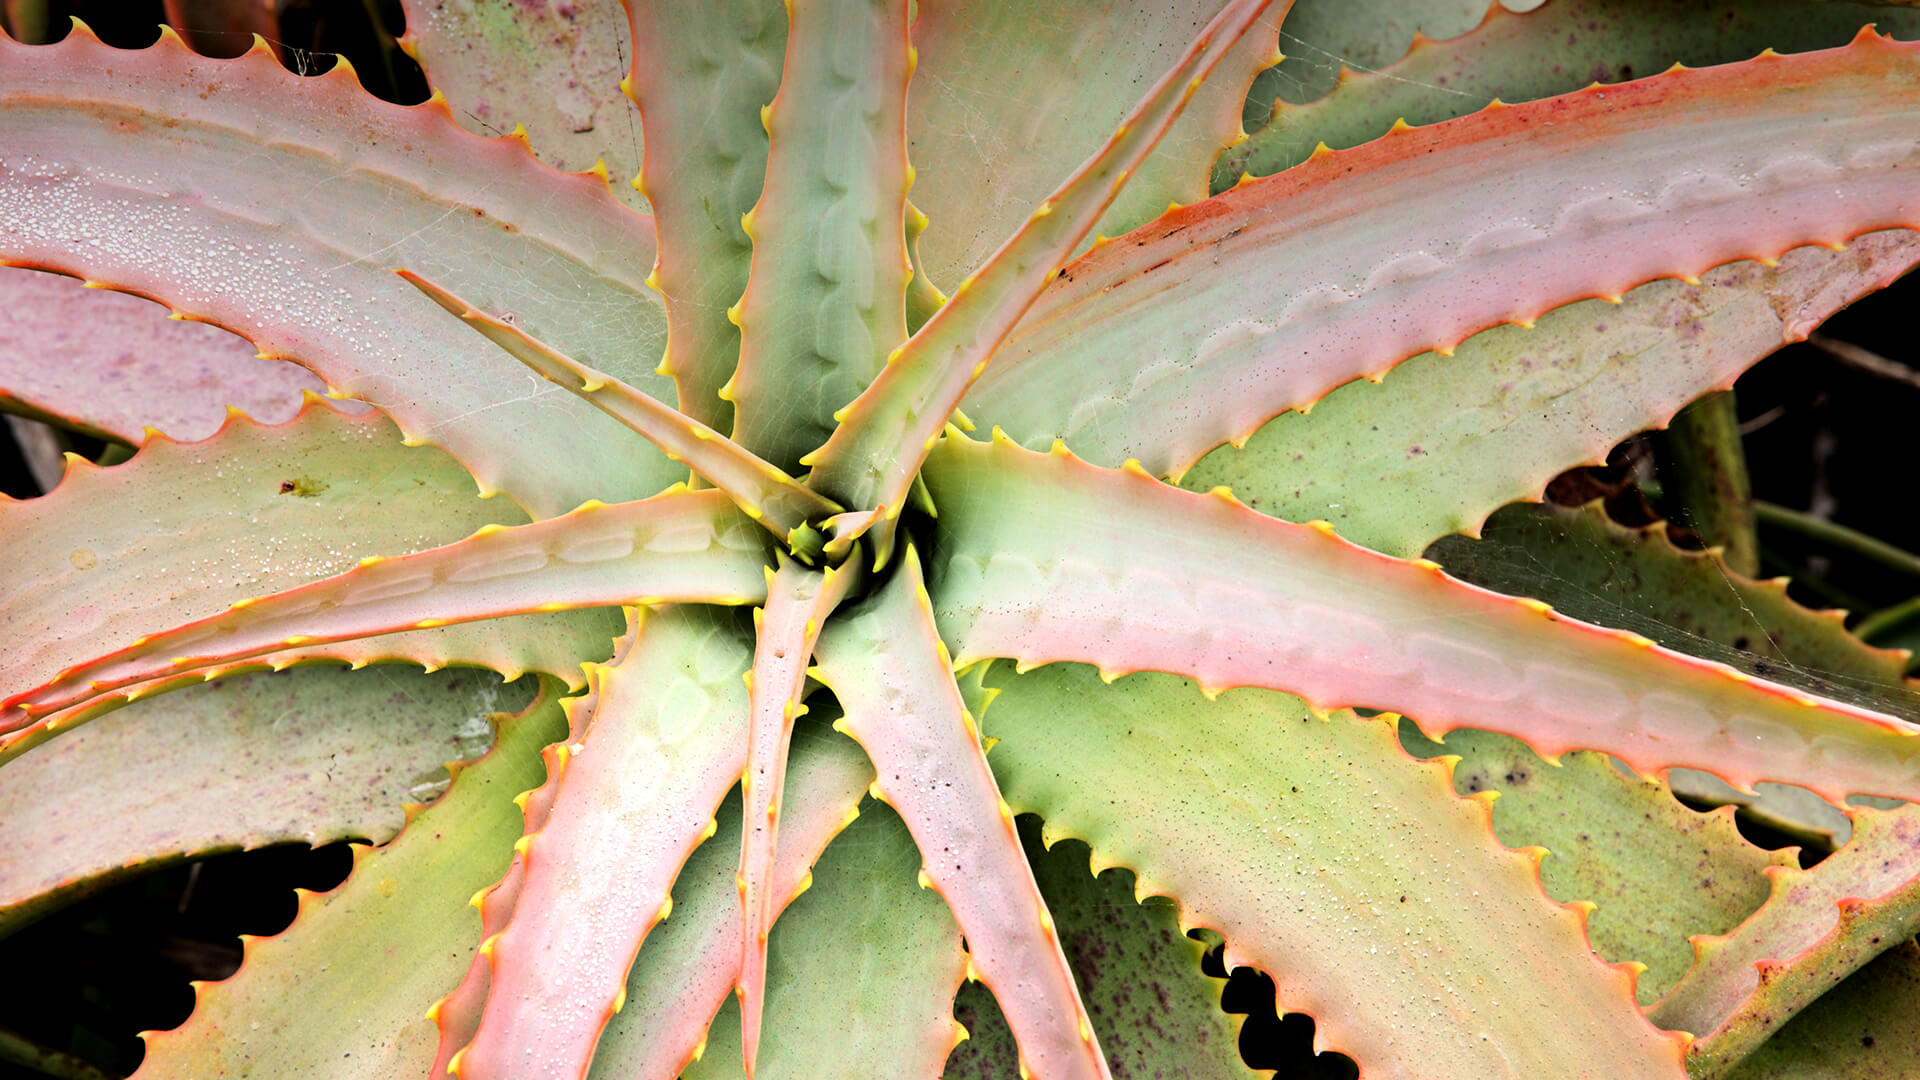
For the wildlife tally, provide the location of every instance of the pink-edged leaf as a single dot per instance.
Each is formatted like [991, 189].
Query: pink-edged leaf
[458, 1014]
[1816, 927]
[895, 681]
[702, 70]
[1268, 296]
[798, 603]
[224, 27]
[874, 454]
[678, 546]
[826, 298]
[552, 68]
[761, 490]
[275, 205]
[112, 364]
[634, 793]
[185, 529]
[691, 962]
[1044, 557]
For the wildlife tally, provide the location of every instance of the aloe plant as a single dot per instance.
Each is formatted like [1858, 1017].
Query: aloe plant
[920, 341]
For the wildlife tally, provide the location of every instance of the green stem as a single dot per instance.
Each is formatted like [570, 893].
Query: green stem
[1705, 469]
[19, 1051]
[1886, 619]
[1838, 536]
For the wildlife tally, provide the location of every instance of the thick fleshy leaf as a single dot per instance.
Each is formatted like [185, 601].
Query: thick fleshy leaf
[688, 968]
[861, 973]
[312, 755]
[761, 490]
[1863, 1029]
[1114, 568]
[894, 679]
[400, 923]
[1557, 48]
[826, 301]
[1597, 571]
[1446, 440]
[633, 794]
[112, 364]
[184, 530]
[1008, 98]
[1817, 927]
[1658, 872]
[553, 67]
[1157, 1014]
[681, 546]
[799, 600]
[875, 453]
[206, 213]
[701, 73]
[1266, 297]
[1379, 903]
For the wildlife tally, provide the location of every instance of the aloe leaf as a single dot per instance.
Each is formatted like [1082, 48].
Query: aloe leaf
[1444, 441]
[1378, 902]
[681, 546]
[876, 450]
[1212, 590]
[761, 490]
[554, 69]
[1595, 570]
[701, 73]
[1265, 298]
[1156, 1012]
[398, 923]
[785, 631]
[310, 756]
[990, 71]
[183, 530]
[1658, 871]
[861, 972]
[893, 677]
[1556, 48]
[826, 299]
[599, 869]
[1862, 1029]
[1817, 927]
[112, 365]
[205, 213]
[688, 968]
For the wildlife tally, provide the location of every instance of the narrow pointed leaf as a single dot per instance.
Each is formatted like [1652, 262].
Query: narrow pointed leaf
[112, 364]
[1396, 465]
[798, 603]
[1266, 297]
[205, 213]
[826, 300]
[309, 756]
[1212, 590]
[893, 678]
[635, 794]
[871, 460]
[766, 494]
[1379, 903]
[1556, 48]
[554, 69]
[680, 980]
[1009, 98]
[680, 546]
[183, 530]
[1817, 927]
[701, 73]
[399, 923]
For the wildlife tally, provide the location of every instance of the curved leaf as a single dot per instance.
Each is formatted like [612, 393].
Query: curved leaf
[208, 212]
[1265, 298]
[1379, 903]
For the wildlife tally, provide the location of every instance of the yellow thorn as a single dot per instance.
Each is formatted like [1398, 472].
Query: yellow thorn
[925, 881]
[1536, 606]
